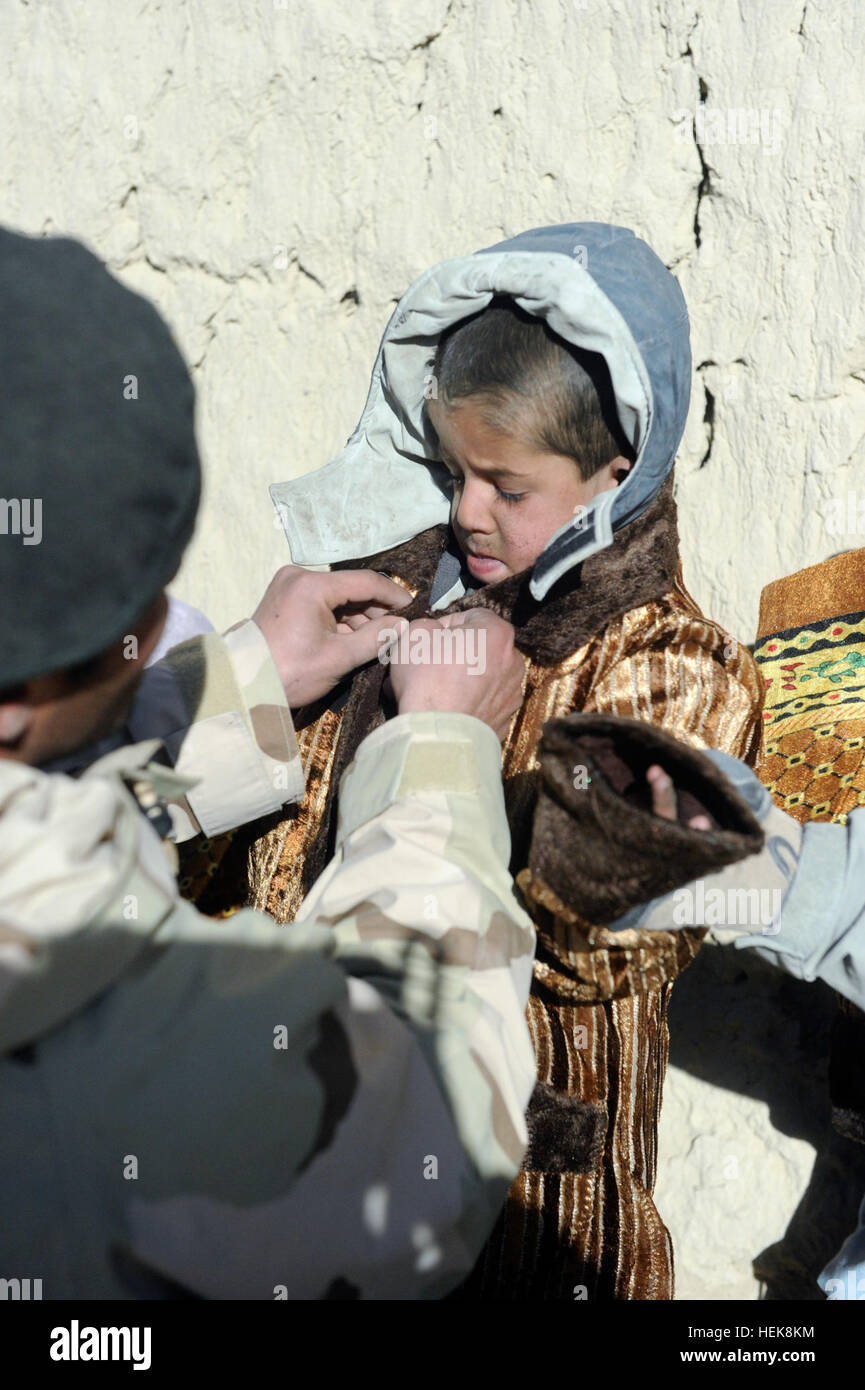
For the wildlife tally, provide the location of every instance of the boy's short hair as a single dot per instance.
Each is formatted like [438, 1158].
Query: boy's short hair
[530, 382]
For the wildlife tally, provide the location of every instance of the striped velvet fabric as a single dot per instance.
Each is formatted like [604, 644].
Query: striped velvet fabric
[597, 1012]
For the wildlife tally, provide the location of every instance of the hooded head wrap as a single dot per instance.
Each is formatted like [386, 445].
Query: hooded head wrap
[598, 287]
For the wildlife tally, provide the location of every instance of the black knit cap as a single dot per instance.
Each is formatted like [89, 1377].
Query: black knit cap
[118, 477]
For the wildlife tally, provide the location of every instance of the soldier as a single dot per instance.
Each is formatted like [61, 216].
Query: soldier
[227, 1110]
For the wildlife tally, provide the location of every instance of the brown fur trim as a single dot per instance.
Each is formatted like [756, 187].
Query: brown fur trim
[639, 565]
[566, 1134]
[414, 562]
[627, 855]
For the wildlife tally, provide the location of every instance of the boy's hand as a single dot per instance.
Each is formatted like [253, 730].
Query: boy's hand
[321, 626]
[486, 683]
[664, 798]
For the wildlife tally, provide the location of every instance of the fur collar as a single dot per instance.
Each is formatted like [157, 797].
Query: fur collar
[638, 567]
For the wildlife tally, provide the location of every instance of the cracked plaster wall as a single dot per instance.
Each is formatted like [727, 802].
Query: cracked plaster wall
[274, 174]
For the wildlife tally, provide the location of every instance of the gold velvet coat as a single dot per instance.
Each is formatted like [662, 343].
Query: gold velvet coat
[621, 637]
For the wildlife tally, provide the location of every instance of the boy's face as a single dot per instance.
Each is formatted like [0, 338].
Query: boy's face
[509, 497]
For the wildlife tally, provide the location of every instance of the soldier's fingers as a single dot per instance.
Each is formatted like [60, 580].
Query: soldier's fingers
[368, 641]
[663, 793]
[360, 612]
[350, 621]
[427, 624]
[466, 616]
[374, 610]
[365, 587]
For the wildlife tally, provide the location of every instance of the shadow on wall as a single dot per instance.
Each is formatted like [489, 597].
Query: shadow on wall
[738, 1023]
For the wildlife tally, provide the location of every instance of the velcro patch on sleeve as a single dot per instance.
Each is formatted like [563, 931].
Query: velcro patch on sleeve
[439, 767]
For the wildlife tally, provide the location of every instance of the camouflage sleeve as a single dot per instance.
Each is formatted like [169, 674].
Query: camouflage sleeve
[354, 1089]
[219, 708]
[800, 903]
[423, 914]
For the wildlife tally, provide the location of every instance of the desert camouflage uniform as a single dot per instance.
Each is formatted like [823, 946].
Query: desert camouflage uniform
[230, 1110]
[218, 706]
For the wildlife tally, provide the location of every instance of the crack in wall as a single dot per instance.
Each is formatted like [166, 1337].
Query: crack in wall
[708, 413]
[212, 331]
[705, 188]
[173, 263]
[424, 46]
[709, 422]
[308, 273]
[431, 38]
[425, 43]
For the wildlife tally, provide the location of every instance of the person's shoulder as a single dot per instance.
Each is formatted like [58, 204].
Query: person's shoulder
[670, 618]
[69, 844]
[674, 622]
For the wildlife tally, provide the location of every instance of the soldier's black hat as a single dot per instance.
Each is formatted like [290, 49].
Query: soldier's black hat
[99, 470]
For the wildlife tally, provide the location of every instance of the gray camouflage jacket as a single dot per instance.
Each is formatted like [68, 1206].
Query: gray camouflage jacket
[800, 903]
[226, 1109]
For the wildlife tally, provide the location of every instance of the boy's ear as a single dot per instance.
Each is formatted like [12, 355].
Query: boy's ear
[620, 467]
[16, 716]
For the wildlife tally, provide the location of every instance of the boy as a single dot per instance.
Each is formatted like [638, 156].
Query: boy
[536, 392]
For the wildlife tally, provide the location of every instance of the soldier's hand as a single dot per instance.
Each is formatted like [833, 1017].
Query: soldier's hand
[664, 802]
[320, 626]
[476, 671]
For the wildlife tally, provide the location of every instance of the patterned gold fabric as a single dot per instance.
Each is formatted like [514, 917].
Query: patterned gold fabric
[812, 757]
[203, 866]
[811, 653]
[280, 877]
[821, 591]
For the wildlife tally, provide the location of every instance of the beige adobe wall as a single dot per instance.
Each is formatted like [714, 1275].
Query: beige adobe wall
[274, 174]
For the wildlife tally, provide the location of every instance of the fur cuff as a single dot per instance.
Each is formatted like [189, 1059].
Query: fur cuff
[595, 840]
